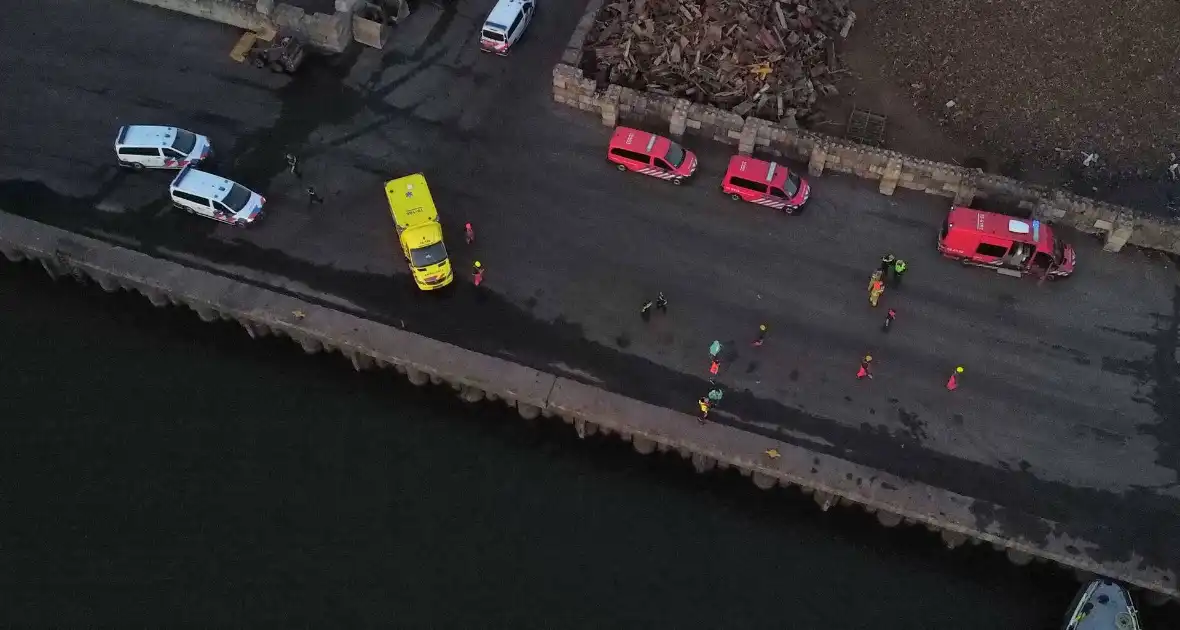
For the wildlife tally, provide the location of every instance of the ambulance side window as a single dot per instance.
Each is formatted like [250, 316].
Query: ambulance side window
[748, 184]
[987, 249]
[630, 155]
[778, 192]
[662, 164]
[515, 23]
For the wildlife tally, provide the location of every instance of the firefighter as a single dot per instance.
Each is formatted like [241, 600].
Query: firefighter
[703, 403]
[889, 317]
[887, 263]
[876, 287]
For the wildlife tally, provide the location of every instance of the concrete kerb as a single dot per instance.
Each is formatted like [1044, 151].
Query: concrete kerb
[710, 446]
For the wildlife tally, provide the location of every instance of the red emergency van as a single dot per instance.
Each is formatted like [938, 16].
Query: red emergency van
[643, 152]
[1009, 245]
[765, 183]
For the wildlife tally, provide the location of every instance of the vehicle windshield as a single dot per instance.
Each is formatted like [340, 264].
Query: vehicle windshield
[675, 155]
[792, 185]
[1058, 251]
[429, 255]
[493, 35]
[185, 141]
[237, 198]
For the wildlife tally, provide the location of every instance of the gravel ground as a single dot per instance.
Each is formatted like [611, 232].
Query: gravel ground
[1045, 81]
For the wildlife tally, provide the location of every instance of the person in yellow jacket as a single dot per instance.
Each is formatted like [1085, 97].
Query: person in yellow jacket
[876, 287]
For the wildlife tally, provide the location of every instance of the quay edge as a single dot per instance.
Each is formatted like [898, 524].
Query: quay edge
[535, 394]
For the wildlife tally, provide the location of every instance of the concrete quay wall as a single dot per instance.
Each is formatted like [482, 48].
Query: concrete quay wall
[1117, 225]
[328, 32]
[536, 394]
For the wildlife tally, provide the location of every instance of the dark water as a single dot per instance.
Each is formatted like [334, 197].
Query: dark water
[160, 471]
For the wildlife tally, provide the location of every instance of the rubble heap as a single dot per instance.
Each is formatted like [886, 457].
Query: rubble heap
[769, 58]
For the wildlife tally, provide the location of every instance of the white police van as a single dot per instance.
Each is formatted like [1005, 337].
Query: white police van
[505, 24]
[215, 197]
[150, 146]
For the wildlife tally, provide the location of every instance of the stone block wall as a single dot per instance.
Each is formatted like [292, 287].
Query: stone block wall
[1118, 225]
[331, 33]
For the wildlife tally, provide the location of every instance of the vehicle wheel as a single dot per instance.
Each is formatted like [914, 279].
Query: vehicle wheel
[622, 168]
[678, 181]
[239, 223]
[788, 210]
[736, 197]
[136, 166]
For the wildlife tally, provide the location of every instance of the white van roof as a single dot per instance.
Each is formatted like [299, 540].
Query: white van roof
[207, 185]
[146, 136]
[503, 13]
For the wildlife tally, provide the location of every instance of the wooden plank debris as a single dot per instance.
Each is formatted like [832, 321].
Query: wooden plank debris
[754, 57]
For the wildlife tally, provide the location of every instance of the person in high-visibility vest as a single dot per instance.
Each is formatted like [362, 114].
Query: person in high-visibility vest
[703, 403]
[898, 271]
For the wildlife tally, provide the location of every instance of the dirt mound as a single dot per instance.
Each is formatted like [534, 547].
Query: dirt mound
[1047, 81]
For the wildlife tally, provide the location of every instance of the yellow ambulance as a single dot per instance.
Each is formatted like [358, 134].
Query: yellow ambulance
[419, 231]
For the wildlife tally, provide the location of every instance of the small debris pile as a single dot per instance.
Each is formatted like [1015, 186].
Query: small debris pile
[769, 58]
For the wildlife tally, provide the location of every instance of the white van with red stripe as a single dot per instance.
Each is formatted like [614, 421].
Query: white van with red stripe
[643, 152]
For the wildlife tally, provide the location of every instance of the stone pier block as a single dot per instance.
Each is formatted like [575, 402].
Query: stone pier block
[527, 411]
[890, 176]
[311, 345]
[824, 500]
[703, 463]
[888, 519]
[749, 136]
[679, 119]
[643, 446]
[764, 481]
[953, 539]
[819, 158]
[417, 377]
[1019, 558]
[159, 300]
[206, 313]
[471, 394]
[1118, 237]
[361, 361]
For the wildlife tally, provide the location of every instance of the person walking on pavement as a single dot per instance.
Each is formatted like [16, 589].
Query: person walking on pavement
[865, 367]
[889, 317]
[470, 232]
[714, 349]
[761, 336]
[477, 273]
[645, 311]
[898, 271]
[703, 403]
[714, 367]
[953, 383]
[293, 164]
[662, 303]
[313, 196]
[876, 288]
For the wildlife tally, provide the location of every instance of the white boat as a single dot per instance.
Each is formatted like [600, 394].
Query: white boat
[1103, 605]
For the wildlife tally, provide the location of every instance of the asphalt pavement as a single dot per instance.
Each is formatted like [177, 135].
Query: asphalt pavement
[1069, 407]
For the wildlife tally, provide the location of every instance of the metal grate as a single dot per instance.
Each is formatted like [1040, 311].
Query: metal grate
[866, 127]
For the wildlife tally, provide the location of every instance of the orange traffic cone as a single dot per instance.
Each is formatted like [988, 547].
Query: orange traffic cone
[953, 383]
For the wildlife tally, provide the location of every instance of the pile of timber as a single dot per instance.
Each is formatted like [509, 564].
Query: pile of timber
[768, 58]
